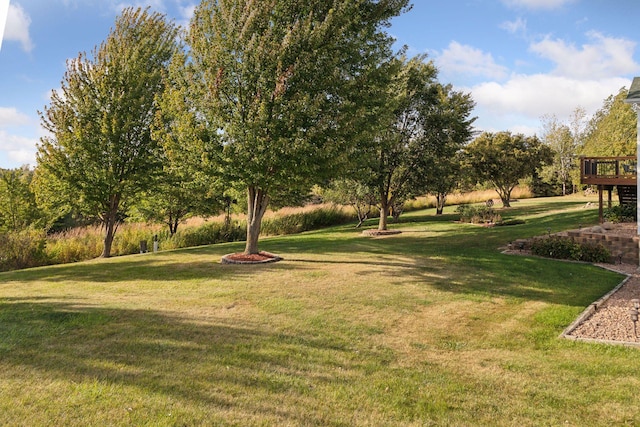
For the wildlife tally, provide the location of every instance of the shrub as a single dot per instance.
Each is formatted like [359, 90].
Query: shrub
[566, 248]
[621, 213]
[477, 214]
[22, 249]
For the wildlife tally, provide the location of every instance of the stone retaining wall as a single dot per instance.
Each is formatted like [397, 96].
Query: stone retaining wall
[623, 248]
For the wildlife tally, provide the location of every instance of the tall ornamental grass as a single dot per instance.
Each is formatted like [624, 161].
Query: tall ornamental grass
[22, 249]
[428, 202]
[34, 248]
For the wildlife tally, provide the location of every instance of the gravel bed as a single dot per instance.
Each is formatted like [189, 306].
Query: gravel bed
[611, 320]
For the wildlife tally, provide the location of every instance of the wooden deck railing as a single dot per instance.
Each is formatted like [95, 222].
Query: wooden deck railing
[608, 170]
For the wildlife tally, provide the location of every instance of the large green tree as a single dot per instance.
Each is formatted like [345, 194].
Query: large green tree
[279, 81]
[99, 152]
[189, 184]
[419, 122]
[612, 130]
[448, 126]
[389, 161]
[504, 159]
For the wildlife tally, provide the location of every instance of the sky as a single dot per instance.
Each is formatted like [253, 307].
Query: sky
[521, 60]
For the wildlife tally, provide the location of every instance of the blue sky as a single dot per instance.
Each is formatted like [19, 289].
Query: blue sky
[520, 59]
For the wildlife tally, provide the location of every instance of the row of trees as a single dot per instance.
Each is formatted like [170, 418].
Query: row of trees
[266, 96]
[272, 97]
[261, 98]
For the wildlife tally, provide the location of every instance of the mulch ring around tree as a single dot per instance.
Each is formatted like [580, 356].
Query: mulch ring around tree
[375, 232]
[261, 257]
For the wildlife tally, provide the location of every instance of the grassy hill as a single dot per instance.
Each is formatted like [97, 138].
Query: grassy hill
[433, 326]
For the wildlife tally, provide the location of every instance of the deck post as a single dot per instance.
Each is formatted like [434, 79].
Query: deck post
[600, 212]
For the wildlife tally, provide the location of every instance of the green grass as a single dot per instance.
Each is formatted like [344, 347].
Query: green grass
[430, 327]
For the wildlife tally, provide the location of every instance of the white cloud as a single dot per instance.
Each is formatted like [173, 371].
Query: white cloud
[12, 117]
[581, 76]
[602, 58]
[17, 150]
[537, 4]
[17, 27]
[533, 96]
[187, 11]
[514, 27]
[464, 59]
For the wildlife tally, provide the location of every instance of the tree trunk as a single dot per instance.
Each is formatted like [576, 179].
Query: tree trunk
[362, 215]
[108, 240]
[173, 226]
[110, 224]
[440, 200]
[258, 200]
[384, 213]
[505, 196]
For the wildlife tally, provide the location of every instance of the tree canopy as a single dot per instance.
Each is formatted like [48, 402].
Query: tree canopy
[99, 152]
[449, 126]
[420, 125]
[504, 159]
[612, 130]
[395, 157]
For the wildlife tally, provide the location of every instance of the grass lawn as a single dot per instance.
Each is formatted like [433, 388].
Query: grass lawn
[430, 327]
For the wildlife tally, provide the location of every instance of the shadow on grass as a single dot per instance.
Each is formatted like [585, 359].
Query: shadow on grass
[162, 354]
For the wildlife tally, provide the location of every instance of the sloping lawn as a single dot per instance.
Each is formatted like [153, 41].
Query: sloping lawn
[430, 327]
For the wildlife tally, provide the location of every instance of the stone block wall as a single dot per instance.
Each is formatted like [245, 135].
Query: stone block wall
[622, 248]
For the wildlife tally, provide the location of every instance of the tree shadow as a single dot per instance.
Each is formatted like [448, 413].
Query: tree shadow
[529, 278]
[196, 361]
[136, 267]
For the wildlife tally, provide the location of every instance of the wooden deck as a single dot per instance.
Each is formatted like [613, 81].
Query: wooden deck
[608, 171]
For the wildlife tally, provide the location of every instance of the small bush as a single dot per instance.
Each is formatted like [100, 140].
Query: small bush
[478, 214]
[566, 248]
[621, 213]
